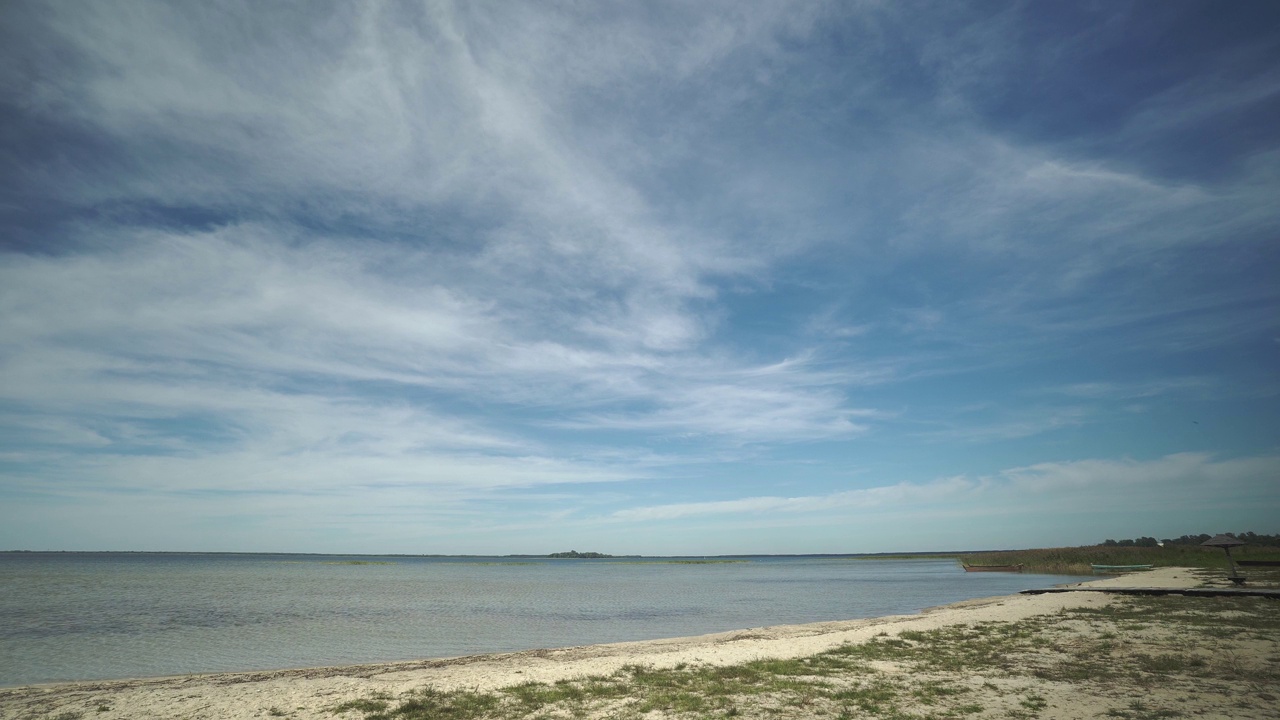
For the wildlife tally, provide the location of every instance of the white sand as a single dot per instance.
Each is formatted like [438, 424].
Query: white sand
[311, 692]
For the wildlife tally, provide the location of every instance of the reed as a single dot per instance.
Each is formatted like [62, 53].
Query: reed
[1078, 560]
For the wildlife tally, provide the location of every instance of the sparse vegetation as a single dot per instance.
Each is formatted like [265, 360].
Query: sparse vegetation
[1162, 645]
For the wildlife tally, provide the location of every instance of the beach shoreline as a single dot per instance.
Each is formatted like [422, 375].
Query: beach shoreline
[314, 692]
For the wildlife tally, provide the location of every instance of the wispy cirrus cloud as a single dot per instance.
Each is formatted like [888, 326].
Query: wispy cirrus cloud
[1137, 389]
[235, 307]
[901, 494]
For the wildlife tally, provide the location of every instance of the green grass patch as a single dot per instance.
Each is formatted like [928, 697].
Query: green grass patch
[371, 707]
[1167, 663]
[458, 705]
[873, 697]
[1138, 711]
[931, 693]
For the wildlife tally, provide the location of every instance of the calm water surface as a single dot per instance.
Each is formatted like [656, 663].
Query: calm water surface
[82, 616]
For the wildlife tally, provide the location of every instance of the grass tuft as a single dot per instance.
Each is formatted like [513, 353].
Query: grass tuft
[364, 705]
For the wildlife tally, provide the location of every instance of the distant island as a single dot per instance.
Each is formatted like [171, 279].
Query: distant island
[576, 554]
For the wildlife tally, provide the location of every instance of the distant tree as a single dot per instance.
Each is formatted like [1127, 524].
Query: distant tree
[1110, 543]
[574, 554]
[1186, 540]
[1250, 538]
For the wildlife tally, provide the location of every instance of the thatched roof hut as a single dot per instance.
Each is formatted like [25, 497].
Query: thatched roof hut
[1226, 542]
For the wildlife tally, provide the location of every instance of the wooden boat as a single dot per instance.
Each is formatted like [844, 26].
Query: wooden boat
[1258, 563]
[1116, 569]
[993, 568]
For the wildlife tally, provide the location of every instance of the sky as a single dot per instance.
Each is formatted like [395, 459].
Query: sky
[637, 278]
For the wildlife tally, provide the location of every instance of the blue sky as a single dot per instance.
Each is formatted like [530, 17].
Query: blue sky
[664, 278]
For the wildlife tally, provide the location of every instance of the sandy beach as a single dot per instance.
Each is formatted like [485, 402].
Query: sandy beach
[316, 692]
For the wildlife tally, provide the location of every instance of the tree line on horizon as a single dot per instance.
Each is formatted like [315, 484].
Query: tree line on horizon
[576, 554]
[1250, 538]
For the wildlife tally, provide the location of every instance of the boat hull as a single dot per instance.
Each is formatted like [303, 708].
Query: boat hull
[1117, 569]
[993, 568]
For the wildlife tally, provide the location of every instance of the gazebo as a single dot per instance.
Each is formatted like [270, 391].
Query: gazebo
[1226, 542]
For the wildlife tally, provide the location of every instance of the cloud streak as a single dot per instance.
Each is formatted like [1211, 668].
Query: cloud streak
[1186, 480]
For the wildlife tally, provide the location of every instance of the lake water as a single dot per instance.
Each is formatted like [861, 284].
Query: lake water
[83, 616]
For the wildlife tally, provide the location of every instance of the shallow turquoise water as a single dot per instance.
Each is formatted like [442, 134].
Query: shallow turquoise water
[82, 616]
